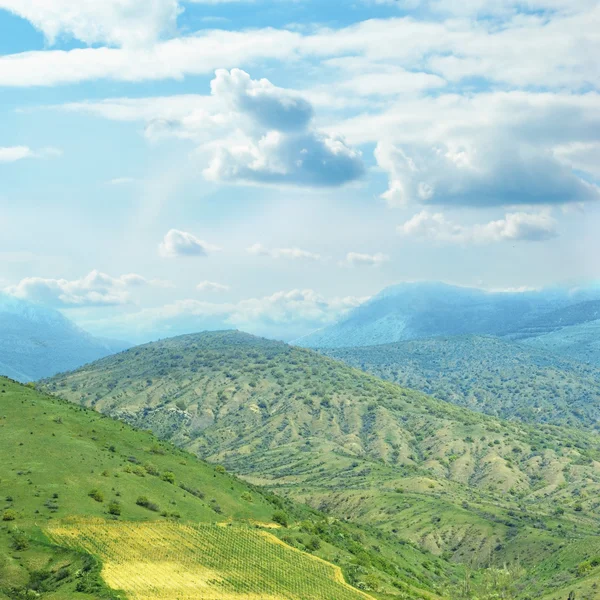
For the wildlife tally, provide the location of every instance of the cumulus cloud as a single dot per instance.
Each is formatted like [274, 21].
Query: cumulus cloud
[15, 153]
[485, 170]
[95, 289]
[357, 259]
[181, 243]
[284, 315]
[515, 227]
[291, 253]
[212, 286]
[279, 144]
[114, 22]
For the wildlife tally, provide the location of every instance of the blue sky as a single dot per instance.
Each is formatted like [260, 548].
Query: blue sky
[169, 166]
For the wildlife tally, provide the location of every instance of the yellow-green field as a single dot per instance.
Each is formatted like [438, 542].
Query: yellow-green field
[164, 560]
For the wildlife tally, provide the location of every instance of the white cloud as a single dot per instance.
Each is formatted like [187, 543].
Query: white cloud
[114, 22]
[357, 259]
[254, 131]
[278, 143]
[200, 54]
[291, 253]
[211, 286]
[491, 149]
[283, 315]
[95, 289]
[515, 227]
[15, 153]
[181, 243]
[552, 50]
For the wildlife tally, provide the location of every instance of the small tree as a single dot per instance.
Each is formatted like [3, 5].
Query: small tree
[96, 495]
[9, 515]
[168, 476]
[280, 518]
[114, 508]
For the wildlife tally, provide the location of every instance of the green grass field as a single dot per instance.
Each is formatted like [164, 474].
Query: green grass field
[61, 461]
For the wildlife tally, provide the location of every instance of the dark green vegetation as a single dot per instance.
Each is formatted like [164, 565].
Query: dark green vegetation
[38, 342]
[60, 460]
[469, 488]
[489, 375]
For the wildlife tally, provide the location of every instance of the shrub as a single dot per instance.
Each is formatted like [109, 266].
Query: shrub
[9, 515]
[313, 544]
[247, 496]
[151, 469]
[96, 495]
[19, 541]
[220, 469]
[280, 518]
[143, 501]
[114, 508]
[168, 476]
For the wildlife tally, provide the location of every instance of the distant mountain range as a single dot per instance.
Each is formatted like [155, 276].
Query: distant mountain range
[558, 319]
[37, 342]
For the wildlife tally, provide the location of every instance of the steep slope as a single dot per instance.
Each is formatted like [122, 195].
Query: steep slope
[66, 471]
[39, 342]
[467, 487]
[489, 375]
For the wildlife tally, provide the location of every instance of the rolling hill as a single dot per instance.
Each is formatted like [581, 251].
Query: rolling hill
[469, 488]
[87, 501]
[560, 320]
[39, 342]
[489, 375]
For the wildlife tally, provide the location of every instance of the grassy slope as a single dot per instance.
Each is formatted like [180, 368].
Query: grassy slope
[489, 375]
[51, 447]
[465, 486]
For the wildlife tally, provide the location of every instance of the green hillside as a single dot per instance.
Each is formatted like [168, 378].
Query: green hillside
[62, 465]
[423, 473]
[489, 375]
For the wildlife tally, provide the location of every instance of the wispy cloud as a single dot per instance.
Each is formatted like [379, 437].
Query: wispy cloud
[14, 153]
[514, 227]
[289, 253]
[358, 259]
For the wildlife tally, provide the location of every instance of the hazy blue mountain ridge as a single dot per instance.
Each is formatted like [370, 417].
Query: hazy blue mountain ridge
[37, 341]
[570, 319]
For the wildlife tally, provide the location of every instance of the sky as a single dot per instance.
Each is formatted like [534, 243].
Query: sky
[168, 166]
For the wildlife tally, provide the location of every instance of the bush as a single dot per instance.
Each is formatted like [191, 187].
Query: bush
[114, 508]
[19, 541]
[280, 518]
[168, 476]
[96, 495]
[313, 544]
[9, 515]
[220, 469]
[151, 469]
[143, 501]
[247, 496]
